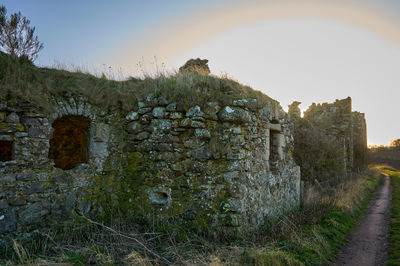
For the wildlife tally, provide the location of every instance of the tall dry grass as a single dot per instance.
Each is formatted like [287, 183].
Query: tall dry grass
[28, 83]
[319, 227]
[345, 195]
[282, 241]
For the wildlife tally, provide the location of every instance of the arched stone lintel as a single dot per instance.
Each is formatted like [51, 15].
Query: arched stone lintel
[73, 107]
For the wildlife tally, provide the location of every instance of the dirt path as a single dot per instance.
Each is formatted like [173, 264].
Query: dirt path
[368, 243]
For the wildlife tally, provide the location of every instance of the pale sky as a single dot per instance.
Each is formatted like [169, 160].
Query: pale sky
[303, 50]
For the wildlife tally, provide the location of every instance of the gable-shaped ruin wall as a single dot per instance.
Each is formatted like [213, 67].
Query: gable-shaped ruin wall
[330, 140]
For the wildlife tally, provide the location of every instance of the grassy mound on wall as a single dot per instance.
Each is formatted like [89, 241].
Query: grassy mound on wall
[21, 81]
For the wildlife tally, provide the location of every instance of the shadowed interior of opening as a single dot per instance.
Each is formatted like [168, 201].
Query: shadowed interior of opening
[273, 145]
[273, 142]
[6, 150]
[69, 144]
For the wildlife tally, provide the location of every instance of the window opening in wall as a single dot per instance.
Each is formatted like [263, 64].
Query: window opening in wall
[274, 143]
[69, 143]
[6, 150]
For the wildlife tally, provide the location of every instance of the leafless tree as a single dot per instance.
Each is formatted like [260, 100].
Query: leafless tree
[17, 37]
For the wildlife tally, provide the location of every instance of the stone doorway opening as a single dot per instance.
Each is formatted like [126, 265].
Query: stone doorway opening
[69, 143]
[6, 150]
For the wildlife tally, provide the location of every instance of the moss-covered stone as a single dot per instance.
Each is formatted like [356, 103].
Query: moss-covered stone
[195, 169]
[11, 127]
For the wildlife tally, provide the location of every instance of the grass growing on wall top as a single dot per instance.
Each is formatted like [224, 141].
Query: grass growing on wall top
[25, 82]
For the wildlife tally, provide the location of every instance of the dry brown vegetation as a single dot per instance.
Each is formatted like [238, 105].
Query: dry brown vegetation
[311, 235]
[307, 236]
[21, 81]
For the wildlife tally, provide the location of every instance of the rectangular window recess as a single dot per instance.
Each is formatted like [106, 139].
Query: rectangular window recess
[6, 150]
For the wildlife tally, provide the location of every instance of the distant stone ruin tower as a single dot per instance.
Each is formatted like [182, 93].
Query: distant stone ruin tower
[330, 140]
[294, 110]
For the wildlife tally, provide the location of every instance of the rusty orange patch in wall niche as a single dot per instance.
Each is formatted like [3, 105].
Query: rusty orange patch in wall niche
[69, 144]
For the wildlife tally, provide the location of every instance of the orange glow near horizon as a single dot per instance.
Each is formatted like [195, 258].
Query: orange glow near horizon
[173, 38]
[308, 51]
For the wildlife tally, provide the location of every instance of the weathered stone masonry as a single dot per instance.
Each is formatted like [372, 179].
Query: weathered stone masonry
[211, 166]
[331, 140]
[217, 161]
[31, 188]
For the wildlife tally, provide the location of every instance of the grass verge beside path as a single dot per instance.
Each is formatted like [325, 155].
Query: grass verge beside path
[394, 245]
[320, 229]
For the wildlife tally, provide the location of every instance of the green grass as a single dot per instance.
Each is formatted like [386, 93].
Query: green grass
[314, 234]
[310, 236]
[25, 82]
[325, 238]
[394, 245]
[75, 259]
[317, 242]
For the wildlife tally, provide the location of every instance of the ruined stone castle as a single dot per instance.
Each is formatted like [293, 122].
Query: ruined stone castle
[207, 166]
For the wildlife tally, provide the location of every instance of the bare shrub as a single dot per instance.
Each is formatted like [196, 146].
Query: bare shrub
[17, 37]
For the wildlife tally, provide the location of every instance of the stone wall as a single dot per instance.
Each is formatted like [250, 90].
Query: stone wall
[207, 166]
[330, 140]
[31, 188]
[228, 165]
[360, 147]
